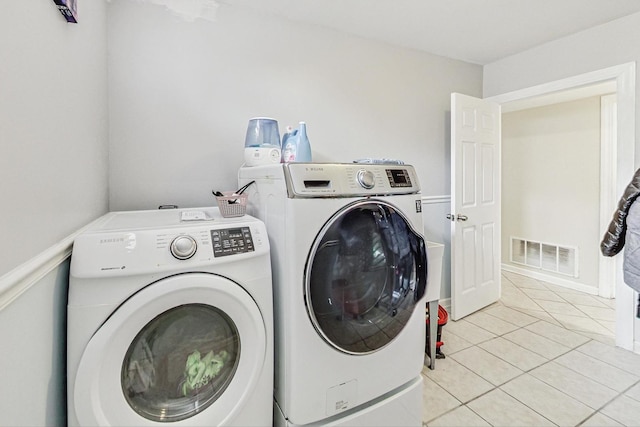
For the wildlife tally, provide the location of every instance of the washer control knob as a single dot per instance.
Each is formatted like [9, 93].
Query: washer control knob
[183, 247]
[366, 179]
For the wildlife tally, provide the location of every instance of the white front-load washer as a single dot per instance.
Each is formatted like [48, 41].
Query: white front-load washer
[170, 321]
[349, 273]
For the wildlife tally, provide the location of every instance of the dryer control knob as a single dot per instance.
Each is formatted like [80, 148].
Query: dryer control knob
[366, 179]
[183, 247]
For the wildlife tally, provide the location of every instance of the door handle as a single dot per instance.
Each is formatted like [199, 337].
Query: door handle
[452, 217]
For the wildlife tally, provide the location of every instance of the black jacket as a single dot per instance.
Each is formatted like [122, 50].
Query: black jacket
[614, 239]
[625, 228]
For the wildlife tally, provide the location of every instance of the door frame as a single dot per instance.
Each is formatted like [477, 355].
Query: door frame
[624, 76]
[608, 191]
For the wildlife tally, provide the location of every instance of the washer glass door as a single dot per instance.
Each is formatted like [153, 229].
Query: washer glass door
[365, 274]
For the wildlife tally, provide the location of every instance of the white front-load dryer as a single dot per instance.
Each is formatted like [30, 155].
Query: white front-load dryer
[170, 321]
[349, 273]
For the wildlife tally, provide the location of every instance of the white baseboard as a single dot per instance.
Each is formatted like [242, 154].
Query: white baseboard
[570, 284]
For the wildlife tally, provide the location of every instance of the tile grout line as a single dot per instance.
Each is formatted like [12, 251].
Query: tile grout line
[528, 371]
[524, 372]
[589, 339]
[494, 387]
[542, 283]
[622, 393]
[562, 325]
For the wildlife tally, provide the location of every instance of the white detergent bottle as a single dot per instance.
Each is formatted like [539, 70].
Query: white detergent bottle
[303, 151]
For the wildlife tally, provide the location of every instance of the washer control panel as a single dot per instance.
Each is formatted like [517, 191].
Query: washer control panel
[349, 180]
[366, 179]
[231, 241]
[398, 177]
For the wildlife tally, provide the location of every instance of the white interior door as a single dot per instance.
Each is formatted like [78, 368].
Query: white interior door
[475, 203]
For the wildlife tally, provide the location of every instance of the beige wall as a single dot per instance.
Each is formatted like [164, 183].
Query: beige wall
[551, 180]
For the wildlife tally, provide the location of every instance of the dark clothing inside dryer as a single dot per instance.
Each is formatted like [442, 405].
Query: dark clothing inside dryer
[365, 278]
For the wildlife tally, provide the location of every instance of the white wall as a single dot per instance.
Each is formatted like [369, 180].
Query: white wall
[53, 181]
[551, 179]
[53, 125]
[610, 44]
[181, 94]
[33, 357]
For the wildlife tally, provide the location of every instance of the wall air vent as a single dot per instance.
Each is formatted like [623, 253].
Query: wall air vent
[560, 259]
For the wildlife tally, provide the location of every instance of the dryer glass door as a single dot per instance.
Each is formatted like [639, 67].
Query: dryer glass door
[365, 274]
[187, 348]
[180, 362]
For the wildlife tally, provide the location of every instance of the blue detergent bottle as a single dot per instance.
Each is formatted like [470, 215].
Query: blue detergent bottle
[295, 145]
[303, 152]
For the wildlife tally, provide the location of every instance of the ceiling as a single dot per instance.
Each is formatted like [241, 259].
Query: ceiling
[476, 31]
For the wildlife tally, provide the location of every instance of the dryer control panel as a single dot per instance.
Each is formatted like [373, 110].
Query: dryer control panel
[117, 250]
[230, 241]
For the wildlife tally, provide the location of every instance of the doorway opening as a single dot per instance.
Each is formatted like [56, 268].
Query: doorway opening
[559, 169]
[621, 159]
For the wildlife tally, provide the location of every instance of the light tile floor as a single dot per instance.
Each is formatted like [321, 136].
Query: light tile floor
[541, 356]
